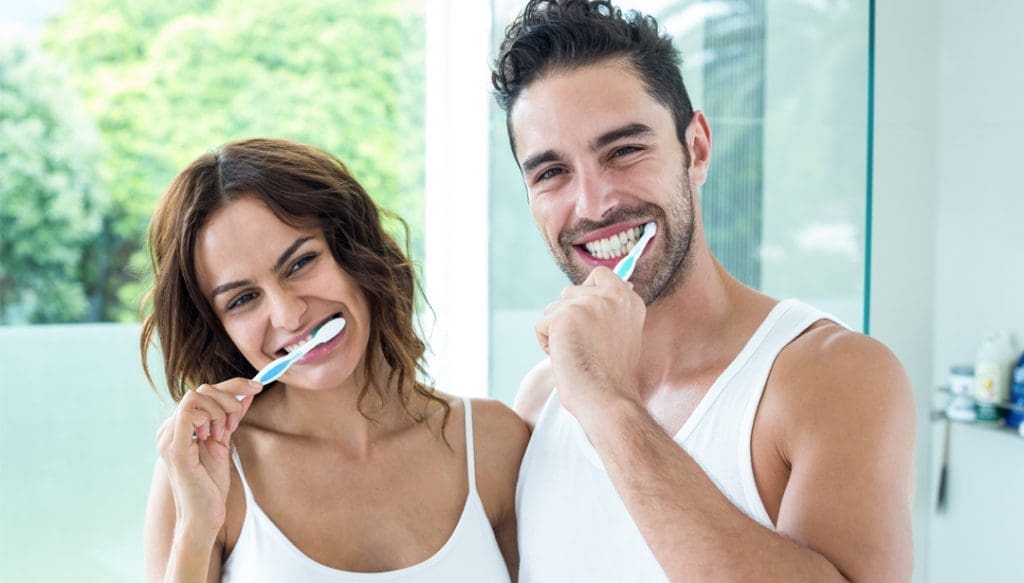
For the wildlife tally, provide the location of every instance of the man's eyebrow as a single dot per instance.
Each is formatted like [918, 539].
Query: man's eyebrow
[534, 161]
[277, 267]
[627, 131]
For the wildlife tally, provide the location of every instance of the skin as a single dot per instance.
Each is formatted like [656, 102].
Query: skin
[351, 493]
[832, 443]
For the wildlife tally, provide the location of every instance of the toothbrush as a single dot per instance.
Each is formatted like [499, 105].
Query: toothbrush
[275, 369]
[624, 268]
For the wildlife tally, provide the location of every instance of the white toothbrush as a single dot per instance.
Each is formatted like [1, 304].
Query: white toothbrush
[275, 369]
[624, 268]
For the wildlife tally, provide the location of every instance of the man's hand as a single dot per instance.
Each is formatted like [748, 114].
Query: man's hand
[593, 335]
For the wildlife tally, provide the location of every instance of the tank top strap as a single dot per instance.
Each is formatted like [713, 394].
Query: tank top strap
[470, 455]
[235, 459]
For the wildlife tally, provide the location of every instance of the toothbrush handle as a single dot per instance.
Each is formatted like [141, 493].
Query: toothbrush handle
[275, 369]
[625, 268]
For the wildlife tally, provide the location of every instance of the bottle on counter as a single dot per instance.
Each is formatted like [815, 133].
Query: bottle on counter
[1015, 416]
[992, 370]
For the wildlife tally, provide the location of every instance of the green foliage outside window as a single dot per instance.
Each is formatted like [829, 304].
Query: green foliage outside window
[51, 197]
[166, 81]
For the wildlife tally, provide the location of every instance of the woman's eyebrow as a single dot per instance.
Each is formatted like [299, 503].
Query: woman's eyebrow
[289, 251]
[277, 267]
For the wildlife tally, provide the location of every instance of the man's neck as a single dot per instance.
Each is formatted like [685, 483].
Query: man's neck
[704, 322]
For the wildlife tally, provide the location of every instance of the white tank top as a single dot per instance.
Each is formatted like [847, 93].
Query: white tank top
[565, 499]
[264, 554]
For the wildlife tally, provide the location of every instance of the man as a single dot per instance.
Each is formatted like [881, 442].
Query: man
[700, 431]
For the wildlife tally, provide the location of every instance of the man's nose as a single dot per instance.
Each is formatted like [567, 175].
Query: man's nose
[595, 195]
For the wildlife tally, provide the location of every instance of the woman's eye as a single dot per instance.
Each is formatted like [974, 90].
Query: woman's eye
[301, 262]
[241, 300]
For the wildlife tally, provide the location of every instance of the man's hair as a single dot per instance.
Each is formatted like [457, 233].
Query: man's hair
[563, 35]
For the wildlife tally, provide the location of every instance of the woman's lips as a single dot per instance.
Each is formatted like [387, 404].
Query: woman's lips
[323, 349]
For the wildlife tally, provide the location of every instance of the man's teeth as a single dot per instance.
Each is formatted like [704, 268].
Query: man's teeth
[616, 245]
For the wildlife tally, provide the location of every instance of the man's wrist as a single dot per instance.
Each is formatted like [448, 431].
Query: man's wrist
[608, 415]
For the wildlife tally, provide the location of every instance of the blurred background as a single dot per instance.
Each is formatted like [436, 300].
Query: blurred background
[864, 160]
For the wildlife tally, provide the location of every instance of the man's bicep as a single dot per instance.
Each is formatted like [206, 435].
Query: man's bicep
[852, 465]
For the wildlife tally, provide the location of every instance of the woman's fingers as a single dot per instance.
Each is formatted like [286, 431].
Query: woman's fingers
[226, 406]
[235, 395]
[209, 411]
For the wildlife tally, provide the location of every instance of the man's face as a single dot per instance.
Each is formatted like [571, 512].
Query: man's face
[601, 158]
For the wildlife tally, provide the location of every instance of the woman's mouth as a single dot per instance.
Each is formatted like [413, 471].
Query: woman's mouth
[297, 345]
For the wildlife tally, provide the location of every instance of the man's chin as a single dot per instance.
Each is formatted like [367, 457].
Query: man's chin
[576, 273]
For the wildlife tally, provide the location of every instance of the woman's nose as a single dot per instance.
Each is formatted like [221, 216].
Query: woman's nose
[286, 309]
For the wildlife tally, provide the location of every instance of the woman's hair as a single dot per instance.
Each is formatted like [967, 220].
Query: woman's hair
[304, 187]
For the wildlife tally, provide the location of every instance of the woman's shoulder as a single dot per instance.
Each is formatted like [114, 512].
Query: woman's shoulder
[495, 425]
[499, 434]
[499, 441]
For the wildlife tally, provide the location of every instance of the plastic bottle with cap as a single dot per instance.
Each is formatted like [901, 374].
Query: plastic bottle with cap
[996, 357]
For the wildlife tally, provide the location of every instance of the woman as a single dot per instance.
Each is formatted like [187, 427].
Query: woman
[347, 468]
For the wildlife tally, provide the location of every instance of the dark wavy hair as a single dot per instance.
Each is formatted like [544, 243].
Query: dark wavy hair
[562, 35]
[304, 187]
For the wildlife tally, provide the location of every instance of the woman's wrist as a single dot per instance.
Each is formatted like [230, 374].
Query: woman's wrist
[191, 553]
[194, 538]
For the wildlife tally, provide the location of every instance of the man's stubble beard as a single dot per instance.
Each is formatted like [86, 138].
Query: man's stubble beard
[651, 281]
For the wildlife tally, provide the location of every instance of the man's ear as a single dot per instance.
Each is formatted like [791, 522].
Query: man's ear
[698, 146]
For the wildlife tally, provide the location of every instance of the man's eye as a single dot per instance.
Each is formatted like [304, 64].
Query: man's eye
[625, 150]
[549, 173]
[241, 300]
[301, 262]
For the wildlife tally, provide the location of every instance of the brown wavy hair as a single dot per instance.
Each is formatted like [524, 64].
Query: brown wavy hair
[304, 187]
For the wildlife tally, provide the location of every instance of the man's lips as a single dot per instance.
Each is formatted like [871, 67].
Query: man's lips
[609, 244]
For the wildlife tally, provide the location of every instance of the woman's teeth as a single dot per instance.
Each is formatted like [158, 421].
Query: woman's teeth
[616, 245]
[293, 347]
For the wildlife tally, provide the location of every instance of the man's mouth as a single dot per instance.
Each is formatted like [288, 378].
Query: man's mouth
[616, 245]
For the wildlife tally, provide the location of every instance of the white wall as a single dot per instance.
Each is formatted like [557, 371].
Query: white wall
[947, 217]
[979, 279]
[978, 275]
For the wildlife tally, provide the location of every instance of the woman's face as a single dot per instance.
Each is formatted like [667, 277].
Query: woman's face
[273, 285]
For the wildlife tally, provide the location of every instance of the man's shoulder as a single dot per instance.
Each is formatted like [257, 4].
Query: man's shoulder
[534, 391]
[833, 375]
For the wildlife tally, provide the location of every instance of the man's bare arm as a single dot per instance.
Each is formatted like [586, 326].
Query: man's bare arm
[844, 514]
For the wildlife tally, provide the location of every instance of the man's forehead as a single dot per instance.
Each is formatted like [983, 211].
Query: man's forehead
[557, 134]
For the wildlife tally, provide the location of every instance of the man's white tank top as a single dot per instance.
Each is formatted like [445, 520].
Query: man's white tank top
[264, 554]
[572, 524]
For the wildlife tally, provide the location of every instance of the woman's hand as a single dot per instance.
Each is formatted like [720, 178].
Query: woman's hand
[194, 445]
